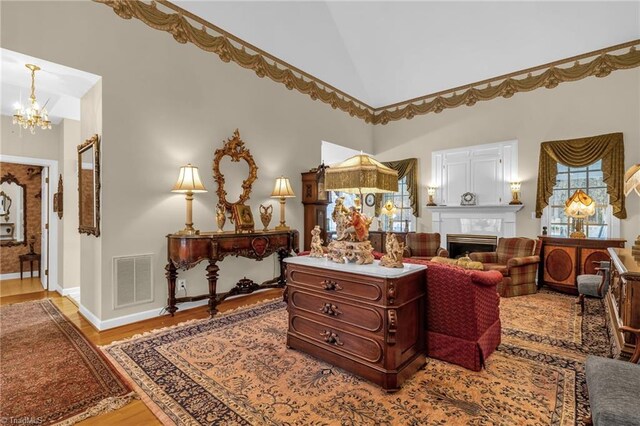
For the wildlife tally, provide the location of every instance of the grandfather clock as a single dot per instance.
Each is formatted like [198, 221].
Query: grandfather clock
[315, 200]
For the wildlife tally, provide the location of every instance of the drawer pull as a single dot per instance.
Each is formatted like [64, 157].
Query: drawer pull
[330, 285]
[330, 309]
[331, 338]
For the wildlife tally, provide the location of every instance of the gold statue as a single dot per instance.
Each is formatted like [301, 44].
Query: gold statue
[316, 243]
[395, 251]
[352, 233]
[221, 218]
[265, 215]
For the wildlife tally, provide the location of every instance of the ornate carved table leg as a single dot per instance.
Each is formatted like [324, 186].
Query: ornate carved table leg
[171, 275]
[212, 277]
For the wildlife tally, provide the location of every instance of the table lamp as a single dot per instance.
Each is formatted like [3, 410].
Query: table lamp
[632, 183]
[189, 183]
[282, 190]
[579, 206]
[356, 175]
[431, 191]
[389, 210]
[515, 192]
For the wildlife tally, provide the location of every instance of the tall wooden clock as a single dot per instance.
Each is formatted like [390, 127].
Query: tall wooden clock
[315, 200]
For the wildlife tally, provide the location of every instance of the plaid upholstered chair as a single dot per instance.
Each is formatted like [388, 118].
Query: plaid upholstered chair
[424, 246]
[517, 260]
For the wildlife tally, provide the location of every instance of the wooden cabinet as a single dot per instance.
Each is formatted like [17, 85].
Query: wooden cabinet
[365, 319]
[563, 259]
[623, 297]
[315, 201]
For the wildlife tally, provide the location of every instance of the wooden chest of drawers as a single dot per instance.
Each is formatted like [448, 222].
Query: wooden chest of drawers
[623, 298]
[365, 319]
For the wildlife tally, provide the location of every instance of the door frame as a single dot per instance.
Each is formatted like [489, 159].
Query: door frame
[51, 263]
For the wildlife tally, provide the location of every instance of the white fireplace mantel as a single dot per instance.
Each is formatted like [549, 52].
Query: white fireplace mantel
[498, 220]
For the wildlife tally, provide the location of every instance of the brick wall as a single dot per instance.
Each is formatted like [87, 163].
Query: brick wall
[9, 261]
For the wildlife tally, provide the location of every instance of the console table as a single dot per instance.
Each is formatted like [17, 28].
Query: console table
[563, 259]
[623, 297]
[186, 251]
[366, 319]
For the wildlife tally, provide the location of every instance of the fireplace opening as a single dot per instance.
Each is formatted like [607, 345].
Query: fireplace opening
[460, 244]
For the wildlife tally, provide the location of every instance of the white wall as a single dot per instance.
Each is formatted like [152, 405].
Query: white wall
[21, 143]
[165, 104]
[588, 107]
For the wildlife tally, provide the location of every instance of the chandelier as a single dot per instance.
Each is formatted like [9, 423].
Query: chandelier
[32, 116]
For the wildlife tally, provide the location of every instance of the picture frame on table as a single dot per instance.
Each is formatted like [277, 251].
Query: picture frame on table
[243, 218]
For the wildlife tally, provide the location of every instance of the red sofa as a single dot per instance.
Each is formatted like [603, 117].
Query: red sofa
[463, 314]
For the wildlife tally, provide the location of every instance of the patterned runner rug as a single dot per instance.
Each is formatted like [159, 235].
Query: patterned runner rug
[236, 370]
[49, 373]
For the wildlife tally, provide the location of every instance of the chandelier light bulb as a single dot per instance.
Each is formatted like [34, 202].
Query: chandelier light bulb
[33, 116]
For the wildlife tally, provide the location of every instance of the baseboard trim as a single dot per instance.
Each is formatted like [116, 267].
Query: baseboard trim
[131, 318]
[68, 291]
[10, 276]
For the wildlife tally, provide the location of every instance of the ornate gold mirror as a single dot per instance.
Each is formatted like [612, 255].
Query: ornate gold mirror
[89, 186]
[13, 211]
[235, 150]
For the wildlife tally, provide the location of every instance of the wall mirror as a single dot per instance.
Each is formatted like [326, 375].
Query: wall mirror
[234, 161]
[13, 211]
[89, 186]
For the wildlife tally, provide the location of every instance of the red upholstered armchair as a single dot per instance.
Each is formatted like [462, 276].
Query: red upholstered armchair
[424, 246]
[463, 315]
[517, 260]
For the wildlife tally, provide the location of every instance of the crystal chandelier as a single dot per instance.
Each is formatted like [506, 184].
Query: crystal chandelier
[33, 116]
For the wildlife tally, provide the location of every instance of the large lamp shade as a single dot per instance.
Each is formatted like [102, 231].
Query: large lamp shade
[361, 174]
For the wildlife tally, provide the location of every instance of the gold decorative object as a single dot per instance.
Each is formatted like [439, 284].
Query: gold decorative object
[265, 215]
[316, 243]
[361, 174]
[33, 116]
[243, 218]
[221, 217]
[189, 183]
[515, 192]
[632, 183]
[352, 234]
[395, 250]
[600, 64]
[431, 190]
[282, 190]
[389, 210]
[58, 205]
[234, 148]
[579, 206]
[89, 186]
[579, 153]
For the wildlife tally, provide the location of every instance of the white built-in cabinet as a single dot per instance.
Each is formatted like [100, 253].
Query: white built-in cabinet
[484, 170]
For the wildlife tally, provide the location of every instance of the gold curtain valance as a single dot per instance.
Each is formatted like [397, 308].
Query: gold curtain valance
[408, 168]
[579, 153]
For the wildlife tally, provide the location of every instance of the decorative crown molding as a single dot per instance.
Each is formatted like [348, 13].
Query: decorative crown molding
[177, 22]
[231, 48]
[600, 63]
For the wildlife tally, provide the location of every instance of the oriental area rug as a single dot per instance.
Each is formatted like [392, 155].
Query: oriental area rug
[49, 372]
[235, 369]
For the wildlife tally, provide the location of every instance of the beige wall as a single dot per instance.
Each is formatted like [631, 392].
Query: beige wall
[589, 107]
[69, 243]
[165, 104]
[43, 144]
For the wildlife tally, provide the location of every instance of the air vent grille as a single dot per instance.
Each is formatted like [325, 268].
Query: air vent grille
[133, 278]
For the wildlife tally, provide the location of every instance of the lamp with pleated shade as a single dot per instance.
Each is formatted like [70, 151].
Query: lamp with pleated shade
[579, 206]
[189, 183]
[282, 190]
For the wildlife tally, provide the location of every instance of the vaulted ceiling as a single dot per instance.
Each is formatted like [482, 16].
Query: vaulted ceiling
[389, 51]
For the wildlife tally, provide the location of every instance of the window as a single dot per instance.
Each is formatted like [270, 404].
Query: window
[403, 219]
[590, 180]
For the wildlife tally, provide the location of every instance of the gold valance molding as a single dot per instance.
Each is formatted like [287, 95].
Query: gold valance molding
[210, 38]
[580, 153]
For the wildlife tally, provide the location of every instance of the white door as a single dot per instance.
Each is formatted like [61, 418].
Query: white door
[486, 175]
[455, 177]
[44, 230]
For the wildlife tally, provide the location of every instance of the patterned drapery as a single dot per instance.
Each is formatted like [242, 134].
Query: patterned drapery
[579, 153]
[408, 168]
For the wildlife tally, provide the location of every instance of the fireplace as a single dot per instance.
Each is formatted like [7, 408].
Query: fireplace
[460, 244]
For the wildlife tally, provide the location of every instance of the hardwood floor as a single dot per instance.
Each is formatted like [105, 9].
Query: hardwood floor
[17, 286]
[134, 413]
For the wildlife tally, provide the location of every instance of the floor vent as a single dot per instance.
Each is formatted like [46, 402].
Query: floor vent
[133, 280]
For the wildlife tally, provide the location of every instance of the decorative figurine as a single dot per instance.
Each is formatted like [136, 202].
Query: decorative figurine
[265, 215]
[221, 218]
[352, 233]
[316, 243]
[395, 250]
